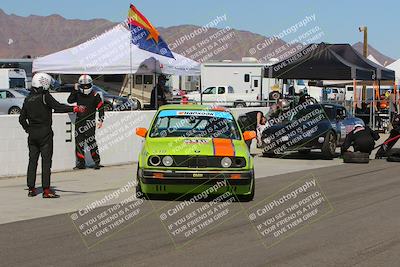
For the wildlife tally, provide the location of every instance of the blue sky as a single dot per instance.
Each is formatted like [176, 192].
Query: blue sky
[339, 20]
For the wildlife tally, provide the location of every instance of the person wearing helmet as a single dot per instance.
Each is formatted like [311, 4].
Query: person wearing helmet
[85, 126]
[383, 150]
[362, 138]
[36, 119]
[158, 93]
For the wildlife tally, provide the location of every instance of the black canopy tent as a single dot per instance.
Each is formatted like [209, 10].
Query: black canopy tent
[318, 62]
[329, 62]
[350, 54]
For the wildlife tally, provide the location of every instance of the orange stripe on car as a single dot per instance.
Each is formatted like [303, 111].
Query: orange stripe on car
[223, 147]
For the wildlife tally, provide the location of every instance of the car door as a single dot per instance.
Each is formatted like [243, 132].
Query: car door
[209, 95]
[3, 102]
[221, 96]
[6, 101]
[343, 123]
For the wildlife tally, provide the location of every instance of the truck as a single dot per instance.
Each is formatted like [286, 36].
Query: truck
[12, 78]
[223, 95]
[247, 77]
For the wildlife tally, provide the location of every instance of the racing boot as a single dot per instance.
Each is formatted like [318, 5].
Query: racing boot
[47, 193]
[32, 192]
[80, 166]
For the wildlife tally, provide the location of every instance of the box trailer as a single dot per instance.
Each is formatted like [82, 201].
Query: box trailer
[12, 78]
[245, 76]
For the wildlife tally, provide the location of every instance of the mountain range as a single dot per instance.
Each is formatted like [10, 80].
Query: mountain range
[42, 35]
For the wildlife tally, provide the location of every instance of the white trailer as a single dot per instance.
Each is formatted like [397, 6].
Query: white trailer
[245, 76]
[12, 78]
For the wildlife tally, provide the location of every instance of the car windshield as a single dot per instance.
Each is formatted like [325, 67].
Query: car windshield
[209, 91]
[195, 123]
[328, 112]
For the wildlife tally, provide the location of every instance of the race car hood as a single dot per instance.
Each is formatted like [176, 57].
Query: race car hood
[196, 146]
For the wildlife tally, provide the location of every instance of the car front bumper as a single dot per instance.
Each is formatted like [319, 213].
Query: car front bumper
[195, 182]
[313, 142]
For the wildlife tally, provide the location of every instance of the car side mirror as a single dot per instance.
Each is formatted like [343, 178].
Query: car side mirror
[142, 132]
[249, 135]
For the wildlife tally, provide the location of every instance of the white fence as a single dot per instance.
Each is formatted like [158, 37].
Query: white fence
[117, 140]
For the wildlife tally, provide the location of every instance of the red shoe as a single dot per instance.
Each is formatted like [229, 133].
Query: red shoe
[47, 193]
[32, 192]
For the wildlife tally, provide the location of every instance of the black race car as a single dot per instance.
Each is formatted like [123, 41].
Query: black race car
[316, 126]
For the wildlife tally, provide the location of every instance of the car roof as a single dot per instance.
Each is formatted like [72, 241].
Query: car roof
[192, 107]
[326, 104]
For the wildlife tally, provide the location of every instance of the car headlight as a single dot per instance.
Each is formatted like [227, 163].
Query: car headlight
[155, 160]
[167, 161]
[226, 162]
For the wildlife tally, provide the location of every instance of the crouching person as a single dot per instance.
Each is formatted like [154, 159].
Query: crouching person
[392, 139]
[253, 121]
[362, 138]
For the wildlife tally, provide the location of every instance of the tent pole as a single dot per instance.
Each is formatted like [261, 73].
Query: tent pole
[374, 105]
[396, 96]
[155, 81]
[354, 96]
[201, 92]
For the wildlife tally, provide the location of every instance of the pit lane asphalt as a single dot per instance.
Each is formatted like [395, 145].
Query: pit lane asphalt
[362, 230]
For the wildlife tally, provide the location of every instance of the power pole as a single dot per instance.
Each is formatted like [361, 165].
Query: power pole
[364, 29]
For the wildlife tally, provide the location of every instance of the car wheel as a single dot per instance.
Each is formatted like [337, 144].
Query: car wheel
[240, 104]
[250, 197]
[139, 192]
[14, 110]
[139, 106]
[329, 147]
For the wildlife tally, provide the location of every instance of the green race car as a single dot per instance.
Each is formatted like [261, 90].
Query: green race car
[190, 149]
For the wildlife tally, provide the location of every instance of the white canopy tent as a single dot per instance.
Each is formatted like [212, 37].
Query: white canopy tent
[112, 53]
[396, 67]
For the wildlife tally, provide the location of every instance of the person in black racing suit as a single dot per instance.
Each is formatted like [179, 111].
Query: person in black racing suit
[362, 138]
[85, 126]
[36, 119]
[383, 150]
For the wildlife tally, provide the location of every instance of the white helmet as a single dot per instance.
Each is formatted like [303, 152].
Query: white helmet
[85, 84]
[42, 80]
[358, 125]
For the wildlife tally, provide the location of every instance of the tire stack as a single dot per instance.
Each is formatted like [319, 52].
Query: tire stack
[394, 155]
[355, 157]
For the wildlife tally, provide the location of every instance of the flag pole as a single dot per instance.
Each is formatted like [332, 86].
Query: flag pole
[130, 63]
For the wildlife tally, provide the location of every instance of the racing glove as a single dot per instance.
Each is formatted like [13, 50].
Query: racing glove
[79, 109]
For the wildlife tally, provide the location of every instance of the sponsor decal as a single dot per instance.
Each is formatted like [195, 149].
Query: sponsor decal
[196, 141]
